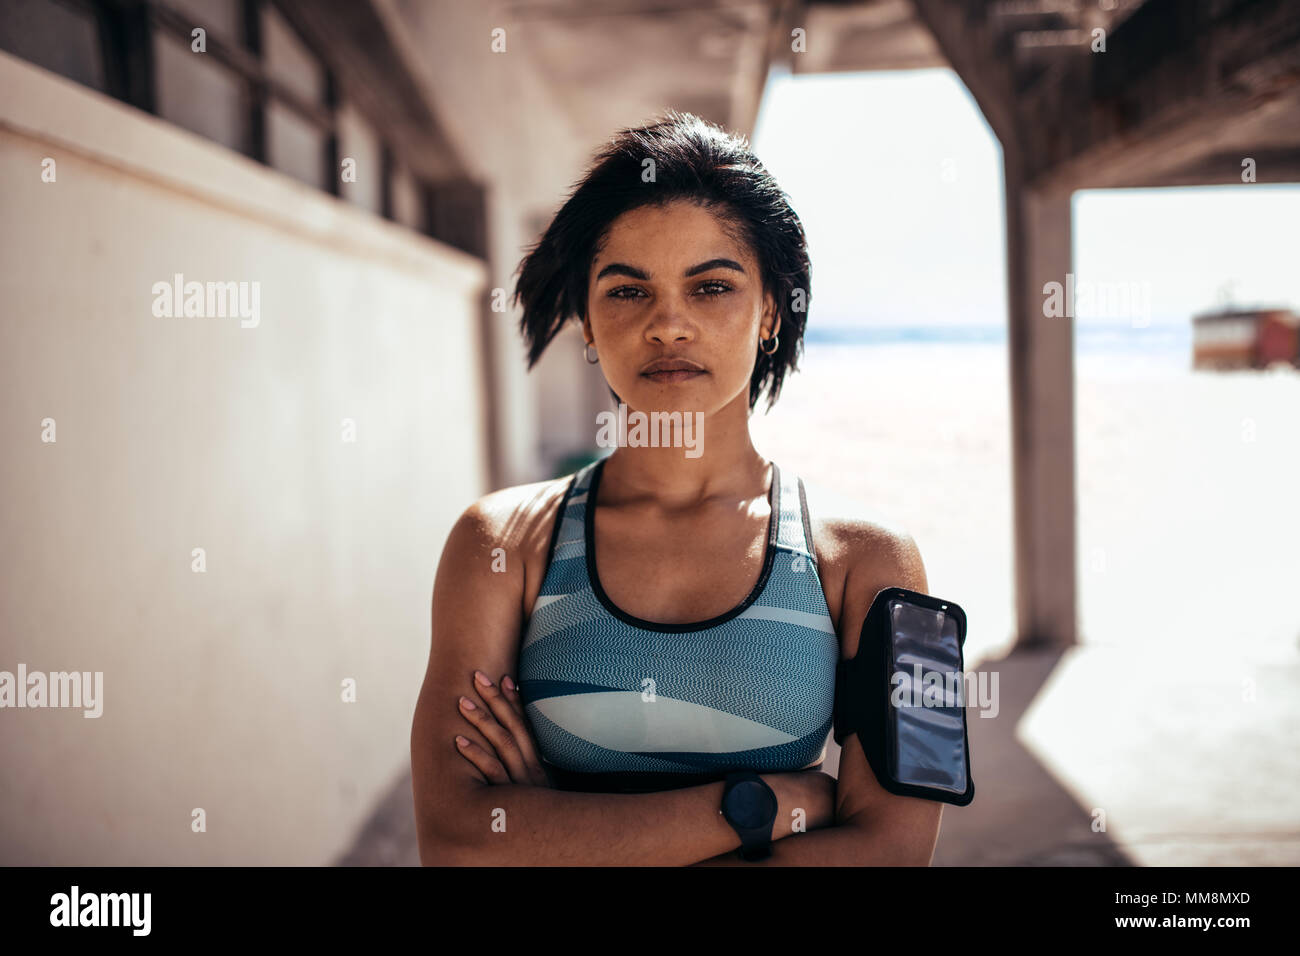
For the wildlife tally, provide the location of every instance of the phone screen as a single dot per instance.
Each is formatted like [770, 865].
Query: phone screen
[926, 738]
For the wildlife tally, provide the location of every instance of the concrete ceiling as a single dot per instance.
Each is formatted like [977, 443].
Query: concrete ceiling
[1184, 91]
[616, 63]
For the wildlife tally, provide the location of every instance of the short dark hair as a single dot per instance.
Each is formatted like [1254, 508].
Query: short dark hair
[696, 161]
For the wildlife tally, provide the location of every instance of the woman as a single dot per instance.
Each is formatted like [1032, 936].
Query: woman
[584, 711]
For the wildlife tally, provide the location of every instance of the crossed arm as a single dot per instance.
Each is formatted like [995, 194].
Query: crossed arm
[489, 802]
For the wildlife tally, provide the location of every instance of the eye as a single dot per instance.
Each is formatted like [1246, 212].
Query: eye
[713, 288]
[615, 293]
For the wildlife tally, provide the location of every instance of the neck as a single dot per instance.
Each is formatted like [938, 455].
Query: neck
[727, 465]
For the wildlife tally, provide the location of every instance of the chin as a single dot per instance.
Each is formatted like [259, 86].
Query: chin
[679, 397]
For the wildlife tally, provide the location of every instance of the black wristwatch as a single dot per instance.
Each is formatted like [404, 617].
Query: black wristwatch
[749, 805]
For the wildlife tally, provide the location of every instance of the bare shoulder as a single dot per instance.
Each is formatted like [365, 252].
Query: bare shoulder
[509, 517]
[508, 532]
[849, 536]
[859, 553]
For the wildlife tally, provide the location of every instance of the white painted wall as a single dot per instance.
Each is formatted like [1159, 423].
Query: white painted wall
[221, 689]
[513, 134]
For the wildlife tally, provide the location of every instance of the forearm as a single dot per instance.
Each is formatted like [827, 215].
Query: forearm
[512, 824]
[849, 843]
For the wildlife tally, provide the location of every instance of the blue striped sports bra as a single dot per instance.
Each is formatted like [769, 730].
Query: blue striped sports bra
[617, 703]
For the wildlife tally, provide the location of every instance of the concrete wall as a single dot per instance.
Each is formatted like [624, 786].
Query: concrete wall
[222, 689]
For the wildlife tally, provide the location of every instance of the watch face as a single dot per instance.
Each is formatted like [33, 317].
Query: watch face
[750, 805]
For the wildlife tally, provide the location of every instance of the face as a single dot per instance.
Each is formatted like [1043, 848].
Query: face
[671, 284]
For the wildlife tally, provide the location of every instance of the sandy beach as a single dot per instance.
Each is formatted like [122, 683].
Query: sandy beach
[1186, 484]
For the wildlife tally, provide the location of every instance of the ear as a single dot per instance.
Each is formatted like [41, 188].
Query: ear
[771, 323]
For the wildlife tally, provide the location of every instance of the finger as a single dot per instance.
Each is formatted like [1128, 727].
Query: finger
[536, 778]
[506, 705]
[509, 717]
[487, 763]
[511, 694]
[510, 690]
[526, 767]
[507, 748]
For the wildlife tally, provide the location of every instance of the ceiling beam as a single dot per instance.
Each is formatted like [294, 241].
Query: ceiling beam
[968, 40]
[1181, 79]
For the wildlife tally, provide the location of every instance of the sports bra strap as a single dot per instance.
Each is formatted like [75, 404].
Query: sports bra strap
[795, 533]
[793, 529]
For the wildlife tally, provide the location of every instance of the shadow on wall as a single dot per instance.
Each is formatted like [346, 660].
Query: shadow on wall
[388, 837]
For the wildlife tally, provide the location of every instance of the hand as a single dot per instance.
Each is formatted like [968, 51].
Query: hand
[511, 756]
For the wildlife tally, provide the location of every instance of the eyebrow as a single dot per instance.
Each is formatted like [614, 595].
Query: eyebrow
[623, 269]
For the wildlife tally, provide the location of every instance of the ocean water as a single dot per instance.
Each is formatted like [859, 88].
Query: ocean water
[1163, 338]
[1101, 348]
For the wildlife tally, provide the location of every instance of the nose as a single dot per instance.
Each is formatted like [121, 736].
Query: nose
[668, 325]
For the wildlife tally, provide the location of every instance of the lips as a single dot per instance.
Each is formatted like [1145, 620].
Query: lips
[672, 370]
[674, 375]
[666, 371]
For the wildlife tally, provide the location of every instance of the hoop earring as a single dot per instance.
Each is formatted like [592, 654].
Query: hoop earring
[774, 340]
[588, 357]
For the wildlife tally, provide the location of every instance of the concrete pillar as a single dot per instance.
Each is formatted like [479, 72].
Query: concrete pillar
[513, 412]
[1041, 355]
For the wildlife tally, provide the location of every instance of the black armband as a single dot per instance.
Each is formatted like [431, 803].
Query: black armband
[903, 695]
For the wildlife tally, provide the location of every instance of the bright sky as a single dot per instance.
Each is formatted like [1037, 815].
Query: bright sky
[898, 181]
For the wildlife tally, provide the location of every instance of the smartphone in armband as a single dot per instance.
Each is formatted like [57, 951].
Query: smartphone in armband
[904, 696]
